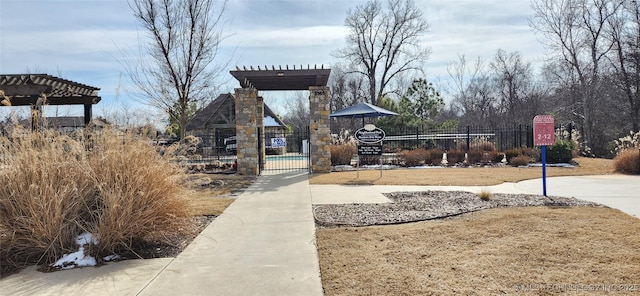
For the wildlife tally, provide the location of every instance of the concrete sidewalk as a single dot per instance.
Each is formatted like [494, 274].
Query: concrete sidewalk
[616, 191]
[263, 244]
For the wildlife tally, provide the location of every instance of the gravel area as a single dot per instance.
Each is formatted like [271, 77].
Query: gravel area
[427, 205]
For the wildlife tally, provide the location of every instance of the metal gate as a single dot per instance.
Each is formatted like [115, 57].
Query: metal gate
[285, 150]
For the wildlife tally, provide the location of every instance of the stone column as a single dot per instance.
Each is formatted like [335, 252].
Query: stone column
[247, 130]
[320, 134]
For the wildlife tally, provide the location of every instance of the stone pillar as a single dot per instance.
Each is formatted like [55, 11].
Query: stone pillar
[260, 124]
[247, 130]
[320, 134]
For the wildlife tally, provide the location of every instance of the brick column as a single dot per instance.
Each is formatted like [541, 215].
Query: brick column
[247, 130]
[320, 134]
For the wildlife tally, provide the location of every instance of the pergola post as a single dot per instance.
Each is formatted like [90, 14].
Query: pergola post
[87, 114]
[320, 134]
[247, 130]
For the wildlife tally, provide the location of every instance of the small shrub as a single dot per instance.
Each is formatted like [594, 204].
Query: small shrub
[520, 160]
[627, 162]
[342, 154]
[474, 156]
[415, 157]
[560, 152]
[435, 157]
[455, 156]
[511, 153]
[630, 141]
[532, 152]
[485, 194]
[369, 159]
[483, 146]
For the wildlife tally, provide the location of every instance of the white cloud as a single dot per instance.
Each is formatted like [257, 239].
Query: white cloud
[278, 38]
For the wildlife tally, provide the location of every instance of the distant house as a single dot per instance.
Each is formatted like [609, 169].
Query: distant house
[65, 124]
[216, 124]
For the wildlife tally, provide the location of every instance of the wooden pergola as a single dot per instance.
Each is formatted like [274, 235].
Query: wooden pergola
[37, 90]
[281, 79]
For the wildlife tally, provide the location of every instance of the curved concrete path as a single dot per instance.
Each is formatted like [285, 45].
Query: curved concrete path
[616, 191]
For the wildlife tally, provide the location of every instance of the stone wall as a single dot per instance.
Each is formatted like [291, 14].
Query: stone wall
[320, 134]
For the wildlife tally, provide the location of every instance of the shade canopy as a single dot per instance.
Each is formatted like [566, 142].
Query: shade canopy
[362, 110]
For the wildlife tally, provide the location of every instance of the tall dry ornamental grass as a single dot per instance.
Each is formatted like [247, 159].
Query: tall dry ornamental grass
[113, 185]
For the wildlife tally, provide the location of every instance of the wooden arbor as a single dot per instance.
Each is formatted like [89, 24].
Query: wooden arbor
[36, 90]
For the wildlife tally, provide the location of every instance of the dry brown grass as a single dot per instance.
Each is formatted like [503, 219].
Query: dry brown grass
[628, 162]
[461, 176]
[56, 187]
[498, 251]
[212, 194]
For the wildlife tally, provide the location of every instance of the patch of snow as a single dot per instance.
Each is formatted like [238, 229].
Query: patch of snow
[78, 258]
[557, 165]
[113, 257]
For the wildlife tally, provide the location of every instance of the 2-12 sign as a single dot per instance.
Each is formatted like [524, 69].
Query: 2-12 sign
[543, 130]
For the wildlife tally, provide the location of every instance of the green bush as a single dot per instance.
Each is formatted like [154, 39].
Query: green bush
[560, 152]
[415, 157]
[627, 161]
[342, 154]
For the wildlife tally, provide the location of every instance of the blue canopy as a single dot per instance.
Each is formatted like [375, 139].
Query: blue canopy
[362, 110]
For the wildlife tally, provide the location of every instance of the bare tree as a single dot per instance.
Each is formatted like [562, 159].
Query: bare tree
[473, 91]
[178, 66]
[625, 34]
[383, 43]
[575, 32]
[297, 114]
[346, 90]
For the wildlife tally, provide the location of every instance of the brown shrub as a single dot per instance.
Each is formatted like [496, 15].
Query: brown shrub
[520, 160]
[483, 146]
[627, 162]
[532, 152]
[120, 190]
[435, 157]
[511, 153]
[342, 154]
[414, 157]
[455, 156]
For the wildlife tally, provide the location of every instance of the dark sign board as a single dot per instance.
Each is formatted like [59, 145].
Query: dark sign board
[369, 149]
[369, 136]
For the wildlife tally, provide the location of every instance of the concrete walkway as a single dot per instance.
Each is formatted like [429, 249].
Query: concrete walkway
[616, 191]
[263, 244]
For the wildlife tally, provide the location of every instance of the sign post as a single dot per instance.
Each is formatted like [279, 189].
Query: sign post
[543, 135]
[369, 143]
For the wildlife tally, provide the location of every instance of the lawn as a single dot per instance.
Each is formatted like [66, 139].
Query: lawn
[540, 250]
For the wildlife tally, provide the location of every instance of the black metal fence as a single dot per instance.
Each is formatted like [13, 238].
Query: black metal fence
[467, 137]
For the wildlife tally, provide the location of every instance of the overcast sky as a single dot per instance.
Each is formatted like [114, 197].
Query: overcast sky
[81, 40]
